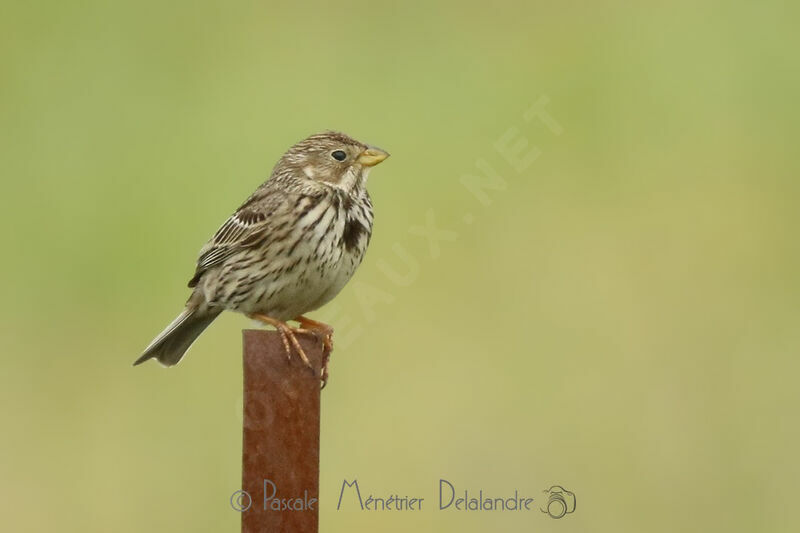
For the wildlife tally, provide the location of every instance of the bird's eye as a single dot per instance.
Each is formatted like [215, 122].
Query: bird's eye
[339, 155]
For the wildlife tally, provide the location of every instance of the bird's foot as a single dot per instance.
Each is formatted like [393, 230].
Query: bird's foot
[326, 357]
[288, 336]
[324, 333]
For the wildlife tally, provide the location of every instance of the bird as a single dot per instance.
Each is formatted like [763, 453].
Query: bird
[286, 251]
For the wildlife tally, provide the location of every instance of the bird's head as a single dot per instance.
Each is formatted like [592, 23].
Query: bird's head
[333, 159]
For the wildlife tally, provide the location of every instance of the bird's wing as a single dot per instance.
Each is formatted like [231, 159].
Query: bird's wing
[245, 228]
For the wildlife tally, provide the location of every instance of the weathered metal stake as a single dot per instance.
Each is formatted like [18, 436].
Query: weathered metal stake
[280, 458]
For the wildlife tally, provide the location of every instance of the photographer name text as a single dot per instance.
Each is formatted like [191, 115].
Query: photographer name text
[450, 498]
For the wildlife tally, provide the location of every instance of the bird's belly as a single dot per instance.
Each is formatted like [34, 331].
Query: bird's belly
[311, 279]
[335, 281]
[293, 295]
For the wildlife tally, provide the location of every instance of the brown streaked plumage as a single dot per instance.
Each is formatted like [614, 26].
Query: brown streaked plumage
[288, 249]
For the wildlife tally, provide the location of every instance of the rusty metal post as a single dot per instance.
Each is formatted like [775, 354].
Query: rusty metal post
[280, 459]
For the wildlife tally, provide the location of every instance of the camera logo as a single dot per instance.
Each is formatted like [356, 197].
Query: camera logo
[560, 502]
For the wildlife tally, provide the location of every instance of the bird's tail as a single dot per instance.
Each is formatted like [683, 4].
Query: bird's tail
[170, 345]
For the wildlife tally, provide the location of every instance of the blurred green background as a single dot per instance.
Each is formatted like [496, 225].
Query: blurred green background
[620, 319]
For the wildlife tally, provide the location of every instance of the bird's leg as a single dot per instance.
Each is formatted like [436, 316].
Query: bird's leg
[287, 335]
[319, 329]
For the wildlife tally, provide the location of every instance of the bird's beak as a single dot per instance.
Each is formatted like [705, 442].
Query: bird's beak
[372, 156]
